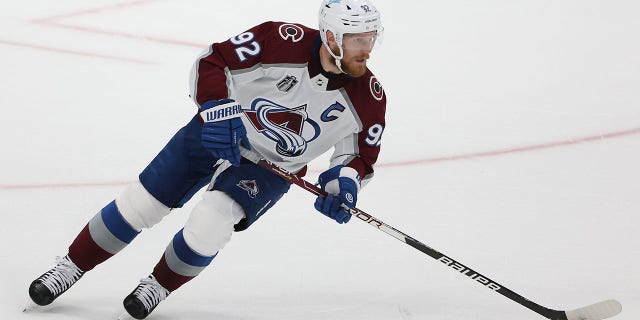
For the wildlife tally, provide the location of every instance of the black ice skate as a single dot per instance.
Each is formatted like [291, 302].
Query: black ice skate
[55, 282]
[145, 298]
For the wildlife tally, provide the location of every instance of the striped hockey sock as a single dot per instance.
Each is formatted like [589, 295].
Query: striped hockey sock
[179, 264]
[105, 235]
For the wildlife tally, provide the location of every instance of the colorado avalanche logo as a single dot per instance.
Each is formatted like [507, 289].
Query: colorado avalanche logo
[291, 31]
[376, 88]
[250, 186]
[290, 128]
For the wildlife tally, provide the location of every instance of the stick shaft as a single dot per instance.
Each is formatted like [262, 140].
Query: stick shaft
[435, 254]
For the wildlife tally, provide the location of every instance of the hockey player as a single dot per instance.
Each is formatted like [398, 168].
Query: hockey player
[281, 91]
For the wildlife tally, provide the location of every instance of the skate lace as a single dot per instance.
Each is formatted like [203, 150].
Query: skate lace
[150, 292]
[62, 276]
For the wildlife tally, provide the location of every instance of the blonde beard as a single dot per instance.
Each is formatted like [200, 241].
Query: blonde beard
[354, 71]
[348, 67]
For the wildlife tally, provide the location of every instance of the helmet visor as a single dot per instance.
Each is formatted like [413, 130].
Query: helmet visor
[361, 41]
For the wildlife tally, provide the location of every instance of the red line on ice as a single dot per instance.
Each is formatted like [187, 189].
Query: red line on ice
[499, 152]
[111, 7]
[73, 52]
[124, 35]
[54, 21]
[63, 185]
[490, 153]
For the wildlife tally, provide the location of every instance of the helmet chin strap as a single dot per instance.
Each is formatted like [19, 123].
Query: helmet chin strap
[337, 59]
[339, 64]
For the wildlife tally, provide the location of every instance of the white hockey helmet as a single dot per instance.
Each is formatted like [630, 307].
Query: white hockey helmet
[347, 16]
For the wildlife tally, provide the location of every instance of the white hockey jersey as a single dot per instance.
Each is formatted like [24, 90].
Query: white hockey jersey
[293, 110]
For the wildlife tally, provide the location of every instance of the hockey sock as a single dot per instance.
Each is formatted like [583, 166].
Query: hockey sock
[105, 235]
[179, 264]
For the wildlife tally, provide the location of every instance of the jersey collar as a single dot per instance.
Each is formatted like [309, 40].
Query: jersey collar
[335, 81]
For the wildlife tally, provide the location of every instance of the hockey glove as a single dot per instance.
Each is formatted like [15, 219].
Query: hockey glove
[223, 131]
[331, 207]
[342, 184]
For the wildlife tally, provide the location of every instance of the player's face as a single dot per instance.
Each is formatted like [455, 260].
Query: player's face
[356, 49]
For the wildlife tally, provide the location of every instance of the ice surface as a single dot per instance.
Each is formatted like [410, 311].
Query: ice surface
[512, 145]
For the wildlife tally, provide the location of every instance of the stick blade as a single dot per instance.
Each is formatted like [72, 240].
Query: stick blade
[597, 311]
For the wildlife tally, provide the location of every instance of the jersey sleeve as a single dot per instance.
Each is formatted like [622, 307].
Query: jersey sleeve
[360, 150]
[209, 80]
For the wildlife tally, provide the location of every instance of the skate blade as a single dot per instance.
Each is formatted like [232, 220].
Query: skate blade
[125, 316]
[32, 306]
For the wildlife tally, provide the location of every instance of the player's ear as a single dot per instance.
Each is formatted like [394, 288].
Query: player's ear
[331, 38]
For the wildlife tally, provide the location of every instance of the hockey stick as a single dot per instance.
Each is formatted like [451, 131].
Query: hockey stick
[601, 310]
